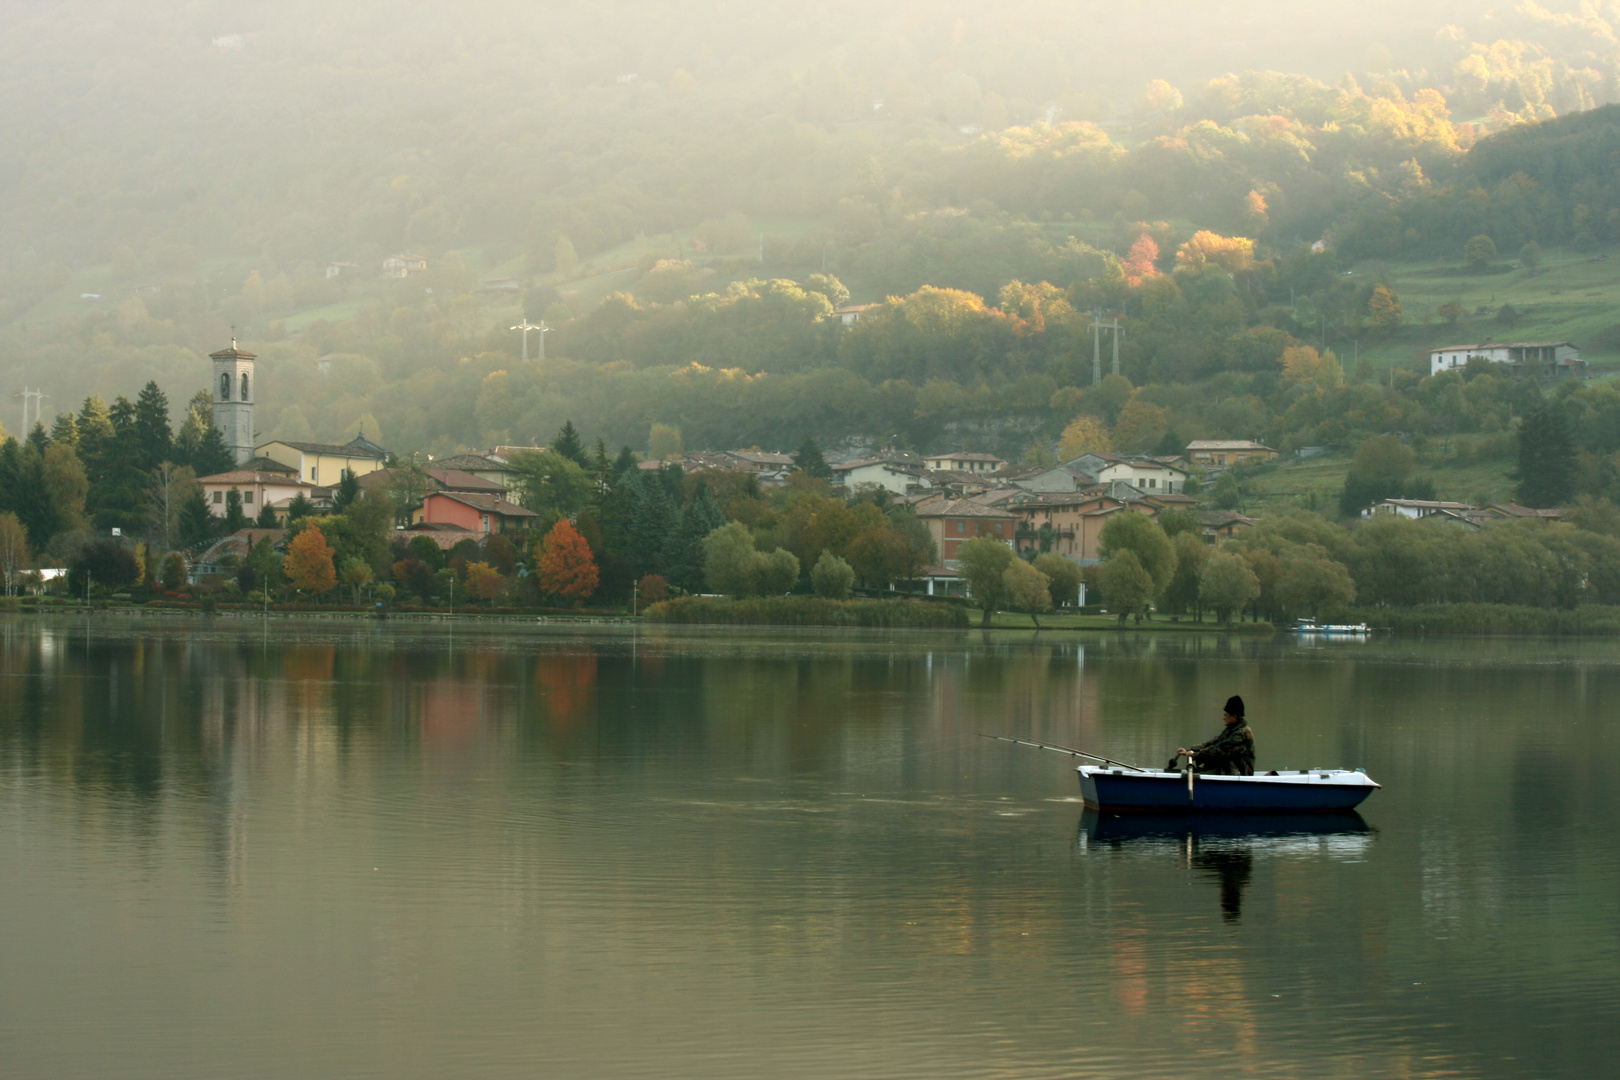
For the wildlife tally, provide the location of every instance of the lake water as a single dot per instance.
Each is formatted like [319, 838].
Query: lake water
[379, 850]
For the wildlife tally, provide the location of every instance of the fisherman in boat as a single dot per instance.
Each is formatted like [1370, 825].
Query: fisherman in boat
[1230, 753]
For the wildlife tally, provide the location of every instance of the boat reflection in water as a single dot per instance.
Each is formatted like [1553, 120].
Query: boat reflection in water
[1226, 845]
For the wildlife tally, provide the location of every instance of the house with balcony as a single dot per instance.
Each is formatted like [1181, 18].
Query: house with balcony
[1071, 525]
[966, 461]
[953, 522]
[1521, 359]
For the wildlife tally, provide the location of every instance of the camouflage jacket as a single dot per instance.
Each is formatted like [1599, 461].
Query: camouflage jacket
[1231, 753]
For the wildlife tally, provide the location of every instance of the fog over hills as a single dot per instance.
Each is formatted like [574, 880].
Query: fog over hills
[174, 173]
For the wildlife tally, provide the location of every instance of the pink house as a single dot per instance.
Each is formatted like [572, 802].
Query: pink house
[474, 511]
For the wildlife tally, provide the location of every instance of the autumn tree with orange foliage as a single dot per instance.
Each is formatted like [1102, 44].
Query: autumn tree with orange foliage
[308, 564]
[565, 567]
[1234, 254]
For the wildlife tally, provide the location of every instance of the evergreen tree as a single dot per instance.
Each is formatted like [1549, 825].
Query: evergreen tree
[214, 457]
[652, 521]
[38, 439]
[599, 460]
[625, 461]
[152, 425]
[118, 495]
[31, 500]
[235, 520]
[300, 507]
[197, 523]
[95, 429]
[1547, 466]
[266, 518]
[809, 460]
[348, 490]
[615, 509]
[568, 444]
[66, 430]
[199, 443]
[674, 480]
[10, 454]
[683, 552]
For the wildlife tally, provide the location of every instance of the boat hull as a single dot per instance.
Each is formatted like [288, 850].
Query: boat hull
[1298, 792]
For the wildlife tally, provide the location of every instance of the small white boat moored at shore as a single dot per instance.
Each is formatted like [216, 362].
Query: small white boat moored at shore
[1311, 626]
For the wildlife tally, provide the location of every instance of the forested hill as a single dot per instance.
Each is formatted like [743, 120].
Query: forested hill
[685, 191]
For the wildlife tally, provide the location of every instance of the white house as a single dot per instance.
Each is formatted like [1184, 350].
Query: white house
[1416, 508]
[897, 477]
[1549, 358]
[1145, 474]
[851, 314]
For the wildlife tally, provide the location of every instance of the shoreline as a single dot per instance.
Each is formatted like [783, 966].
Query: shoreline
[1453, 621]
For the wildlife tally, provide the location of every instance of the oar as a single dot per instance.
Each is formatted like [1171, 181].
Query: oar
[1062, 750]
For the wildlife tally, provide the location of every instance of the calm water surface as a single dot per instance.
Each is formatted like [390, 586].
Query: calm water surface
[314, 850]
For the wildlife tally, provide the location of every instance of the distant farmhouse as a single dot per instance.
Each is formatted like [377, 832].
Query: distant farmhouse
[1532, 359]
[1223, 452]
[403, 265]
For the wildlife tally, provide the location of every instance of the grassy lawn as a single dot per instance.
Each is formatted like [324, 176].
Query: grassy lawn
[332, 313]
[1315, 484]
[1569, 297]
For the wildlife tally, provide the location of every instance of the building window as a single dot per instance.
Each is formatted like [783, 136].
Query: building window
[225, 386]
[244, 396]
[219, 497]
[961, 526]
[247, 498]
[313, 472]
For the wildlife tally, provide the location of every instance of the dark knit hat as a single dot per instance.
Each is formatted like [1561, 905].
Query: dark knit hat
[1234, 705]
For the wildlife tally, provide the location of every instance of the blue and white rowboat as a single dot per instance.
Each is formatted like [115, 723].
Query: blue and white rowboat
[1110, 787]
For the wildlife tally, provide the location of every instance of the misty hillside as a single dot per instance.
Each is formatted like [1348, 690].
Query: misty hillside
[702, 183]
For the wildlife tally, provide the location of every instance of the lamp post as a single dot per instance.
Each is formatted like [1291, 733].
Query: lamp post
[526, 326]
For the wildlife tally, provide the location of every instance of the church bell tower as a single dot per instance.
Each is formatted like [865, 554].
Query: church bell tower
[233, 400]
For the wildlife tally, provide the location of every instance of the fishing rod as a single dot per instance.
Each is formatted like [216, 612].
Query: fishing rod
[1071, 751]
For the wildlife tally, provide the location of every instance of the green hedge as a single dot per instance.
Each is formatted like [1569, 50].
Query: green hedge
[808, 611]
[1594, 620]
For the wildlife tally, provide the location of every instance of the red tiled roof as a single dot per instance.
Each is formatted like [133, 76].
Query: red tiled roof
[485, 504]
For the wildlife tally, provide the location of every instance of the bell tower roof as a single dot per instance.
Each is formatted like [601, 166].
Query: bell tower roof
[233, 353]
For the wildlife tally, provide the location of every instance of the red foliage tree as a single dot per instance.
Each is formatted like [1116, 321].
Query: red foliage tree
[565, 567]
[1139, 264]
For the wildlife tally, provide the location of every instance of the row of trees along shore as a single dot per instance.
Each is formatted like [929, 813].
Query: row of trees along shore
[611, 531]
